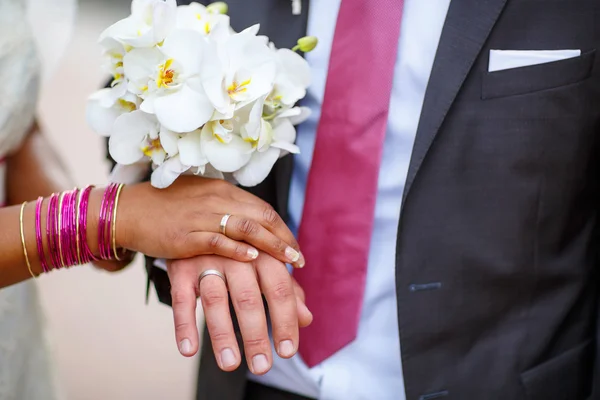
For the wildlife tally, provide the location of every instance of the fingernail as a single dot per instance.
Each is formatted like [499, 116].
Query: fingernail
[260, 363]
[292, 254]
[286, 348]
[301, 261]
[227, 358]
[185, 346]
[253, 253]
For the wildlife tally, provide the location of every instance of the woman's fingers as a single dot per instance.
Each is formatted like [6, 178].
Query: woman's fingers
[272, 221]
[183, 276]
[276, 284]
[246, 229]
[210, 243]
[249, 308]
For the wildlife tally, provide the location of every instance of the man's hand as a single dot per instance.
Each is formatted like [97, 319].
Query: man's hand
[245, 282]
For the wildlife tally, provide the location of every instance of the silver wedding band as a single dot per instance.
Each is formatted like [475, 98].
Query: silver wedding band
[224, 223]
[211, 272]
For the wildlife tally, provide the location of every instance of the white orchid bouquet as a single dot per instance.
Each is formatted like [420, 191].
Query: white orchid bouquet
[190, 95]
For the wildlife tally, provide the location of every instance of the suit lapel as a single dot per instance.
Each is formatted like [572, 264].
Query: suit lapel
[467, 27]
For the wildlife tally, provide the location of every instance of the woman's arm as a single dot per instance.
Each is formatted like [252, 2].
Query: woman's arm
[13, 267]
[35, 170]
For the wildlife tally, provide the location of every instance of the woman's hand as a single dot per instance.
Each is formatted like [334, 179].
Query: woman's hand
[184, 220]
[245, 283]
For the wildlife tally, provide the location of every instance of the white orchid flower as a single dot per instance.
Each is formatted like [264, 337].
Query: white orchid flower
[209, 22]
[270, 140]
[113, 64]
[281, 135]
[137, 136]
[102, 118]
[149, 23]
[246, 71]
[291, 81]
[169, 80]
[165, 174]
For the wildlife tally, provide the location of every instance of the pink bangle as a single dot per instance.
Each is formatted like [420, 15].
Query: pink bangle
[69, 228]
[86, 253]
[51, 230]
[104, 224]
[38, 234]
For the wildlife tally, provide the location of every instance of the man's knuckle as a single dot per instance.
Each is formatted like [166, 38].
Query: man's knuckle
[248, 300]
[182, 326]
[212, 297]
[282, 291]
[218, 336]
[179, 297]
[256, 343]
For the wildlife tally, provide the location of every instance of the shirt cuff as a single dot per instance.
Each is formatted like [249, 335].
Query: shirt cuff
[160, 263]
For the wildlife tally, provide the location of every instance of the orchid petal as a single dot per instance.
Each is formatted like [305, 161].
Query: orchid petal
[258, 168]
[187, 47]
[129, 131]
[184, 110]
[101, 119]
[284, 131]
[165, 175]
[140, 64]
[296, 115]
[225, 157]
[129, 174]
[253, 127]
[168, 141]
[190, 150]
[164, 19]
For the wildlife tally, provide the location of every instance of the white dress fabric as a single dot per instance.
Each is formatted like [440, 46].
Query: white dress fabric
[25, 369]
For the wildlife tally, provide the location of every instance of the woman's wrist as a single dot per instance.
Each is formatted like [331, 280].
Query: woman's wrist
[93, 218]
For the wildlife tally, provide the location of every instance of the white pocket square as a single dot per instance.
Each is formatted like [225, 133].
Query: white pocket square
[507, 59]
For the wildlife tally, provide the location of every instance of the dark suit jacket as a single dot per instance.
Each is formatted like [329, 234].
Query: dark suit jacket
[496, 264]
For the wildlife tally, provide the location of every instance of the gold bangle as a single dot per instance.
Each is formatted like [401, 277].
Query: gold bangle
[60, 201]
[77, 244]
[114, 223]
[23, 240]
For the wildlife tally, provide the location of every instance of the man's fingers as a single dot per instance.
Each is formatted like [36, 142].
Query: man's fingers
[276, 284]
[249, 308]
[215, 302]
[305, 317]
[183, 275]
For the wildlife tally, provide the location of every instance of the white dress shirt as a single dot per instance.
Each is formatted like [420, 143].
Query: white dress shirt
[370, 367]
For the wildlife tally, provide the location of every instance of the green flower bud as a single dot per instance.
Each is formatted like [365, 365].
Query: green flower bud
[306, 44]
[218, 7]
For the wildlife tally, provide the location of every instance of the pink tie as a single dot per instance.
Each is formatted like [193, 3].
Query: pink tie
[337, 221]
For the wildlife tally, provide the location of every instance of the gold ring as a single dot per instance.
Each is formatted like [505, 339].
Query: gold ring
[224, 223]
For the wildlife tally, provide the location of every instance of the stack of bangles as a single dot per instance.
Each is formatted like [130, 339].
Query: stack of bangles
[66, 229]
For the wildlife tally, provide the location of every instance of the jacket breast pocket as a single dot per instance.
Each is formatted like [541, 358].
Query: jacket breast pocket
[535, 78]
[565, 377]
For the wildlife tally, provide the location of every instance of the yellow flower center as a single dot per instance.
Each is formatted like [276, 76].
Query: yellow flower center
[165, 74]
[152, 147]
[207, 28]
[127, 105]
[236, 88]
